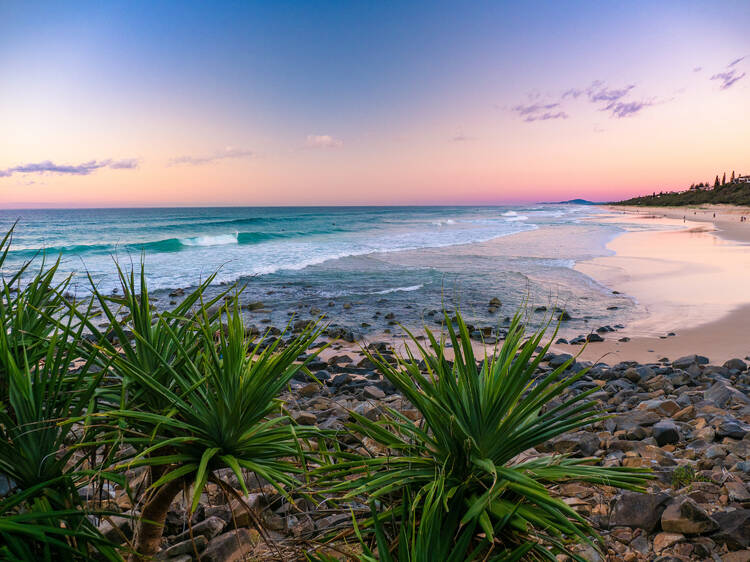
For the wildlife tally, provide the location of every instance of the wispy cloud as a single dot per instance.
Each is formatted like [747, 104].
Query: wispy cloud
[598, 92]
[540, 111]
[728, 78]
[323, 141]
[84, 169]
[697, 69]
[608, 99]
[460, 137]
[626, 109]
[735, 62]
[731, 76]
[228, 153]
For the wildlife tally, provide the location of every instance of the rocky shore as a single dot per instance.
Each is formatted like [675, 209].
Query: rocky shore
[687, 420]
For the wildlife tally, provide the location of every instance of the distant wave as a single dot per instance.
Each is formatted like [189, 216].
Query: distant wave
[399, 289]
[510, 214]
[166, 245]
[217, 240]
[516, 218]
[443, 222]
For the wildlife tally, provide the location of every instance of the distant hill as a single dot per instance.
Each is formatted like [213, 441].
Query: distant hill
[575, 202]
[732, 193]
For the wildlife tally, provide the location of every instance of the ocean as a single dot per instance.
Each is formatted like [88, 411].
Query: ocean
[356, 264]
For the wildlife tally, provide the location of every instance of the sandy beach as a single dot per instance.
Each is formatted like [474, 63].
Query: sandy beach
[688, 280]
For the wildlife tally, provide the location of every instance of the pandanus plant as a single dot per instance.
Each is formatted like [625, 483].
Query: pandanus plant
[42, 450]
[210, 397]
[472, 452]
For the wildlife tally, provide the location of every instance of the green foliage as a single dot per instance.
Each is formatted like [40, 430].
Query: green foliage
[44, 408]
[466, 454]
[221, 408]
[722, 193]
[685, 475]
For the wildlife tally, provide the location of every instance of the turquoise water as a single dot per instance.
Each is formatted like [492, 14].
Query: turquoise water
[371, 258]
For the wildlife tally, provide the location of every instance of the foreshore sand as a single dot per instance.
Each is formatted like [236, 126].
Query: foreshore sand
[688, 280]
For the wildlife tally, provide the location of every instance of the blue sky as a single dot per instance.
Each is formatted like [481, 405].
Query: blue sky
[281, 102]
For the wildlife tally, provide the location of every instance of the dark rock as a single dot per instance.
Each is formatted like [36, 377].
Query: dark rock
[730, 427]
[721, 393]
[734, 528]
[373, 393]
[341, 380]
[560, 359]
[643, 511]
[230, 547]
[685, 362]
[581, 443]
[187, 546]
[666, 432]
[685, 516]
[208, 528]
[594, 337]
[737, 364]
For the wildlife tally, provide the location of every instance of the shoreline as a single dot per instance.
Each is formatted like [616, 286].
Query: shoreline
[687, 281]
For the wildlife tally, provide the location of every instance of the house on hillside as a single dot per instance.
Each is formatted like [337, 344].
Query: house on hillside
[742, 179]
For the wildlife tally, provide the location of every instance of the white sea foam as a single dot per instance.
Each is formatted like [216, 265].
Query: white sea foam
[217, 240]
[517, 218]
[399, 289]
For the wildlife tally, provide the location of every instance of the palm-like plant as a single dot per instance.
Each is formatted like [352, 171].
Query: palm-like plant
[35, 524]
[148, 340]
[40, 397]
[220, 411]
[465, 453]
[28, 306]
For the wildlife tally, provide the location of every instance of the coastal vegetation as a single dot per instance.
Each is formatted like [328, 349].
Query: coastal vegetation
[732, 191]
[105, 426]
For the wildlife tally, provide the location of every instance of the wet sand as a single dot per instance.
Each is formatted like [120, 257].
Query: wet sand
[690, 280]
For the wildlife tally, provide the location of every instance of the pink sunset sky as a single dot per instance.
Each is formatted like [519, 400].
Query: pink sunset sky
[368, 103]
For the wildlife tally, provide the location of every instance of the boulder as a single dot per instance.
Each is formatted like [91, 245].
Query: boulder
[684, 515]
[117, 529]
[685, 362]
[373, 393]
[666, 432]
[642, 511]
[730, 427]
[734, 528]
[581, 443]
[231, 547]
[721, 393]
[559, 359]
[663, 541]
[737, 491]
[737, 364]
[208, 528]
[187, 546]
[306, 418]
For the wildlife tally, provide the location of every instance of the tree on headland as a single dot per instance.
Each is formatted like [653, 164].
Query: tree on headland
[724, 179]
[716, 181]
[732, 180]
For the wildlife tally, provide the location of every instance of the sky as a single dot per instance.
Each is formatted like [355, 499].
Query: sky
[107, 104]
